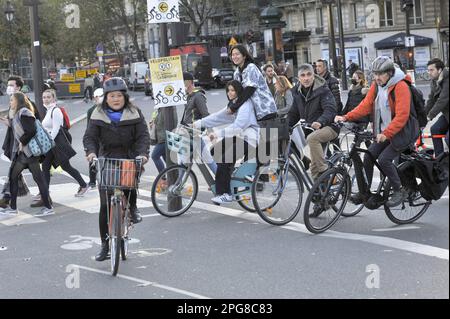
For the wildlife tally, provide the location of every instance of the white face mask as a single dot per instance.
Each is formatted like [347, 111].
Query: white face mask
[10, 90]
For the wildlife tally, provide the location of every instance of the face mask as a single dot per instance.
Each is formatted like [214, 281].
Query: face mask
[354, 82]
[10, 90]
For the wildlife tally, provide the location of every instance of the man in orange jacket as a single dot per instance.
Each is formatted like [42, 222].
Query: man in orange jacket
[389, 118]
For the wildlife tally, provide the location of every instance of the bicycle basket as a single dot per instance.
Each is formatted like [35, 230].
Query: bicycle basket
[118, 173]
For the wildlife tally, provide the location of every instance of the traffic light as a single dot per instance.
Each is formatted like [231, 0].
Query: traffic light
[406, 4]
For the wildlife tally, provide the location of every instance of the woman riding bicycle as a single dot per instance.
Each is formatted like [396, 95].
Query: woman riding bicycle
[390, 116]
[117, 129]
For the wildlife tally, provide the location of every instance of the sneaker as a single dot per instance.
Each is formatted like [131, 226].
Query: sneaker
[40, 203]
[397, 198]
[92, 185]
[45, 212]
[36, 198]
[222, 199]
[4, 202]
[9, 211]
[358, 198]
[81, 191]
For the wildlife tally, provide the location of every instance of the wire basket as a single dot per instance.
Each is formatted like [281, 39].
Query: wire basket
[118, 173]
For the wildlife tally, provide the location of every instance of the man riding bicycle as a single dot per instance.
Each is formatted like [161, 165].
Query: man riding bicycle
[389, 103]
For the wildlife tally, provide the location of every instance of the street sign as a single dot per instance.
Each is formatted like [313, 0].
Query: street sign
[163, 11]
[74, 88]
[409, 42]
[67, 77]
[80, 74]
[167, 81]
[232, 42]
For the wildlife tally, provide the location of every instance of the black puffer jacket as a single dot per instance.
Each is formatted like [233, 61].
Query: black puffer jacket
[318, 106]
[333, 85]
[356, 94]
[127, 139]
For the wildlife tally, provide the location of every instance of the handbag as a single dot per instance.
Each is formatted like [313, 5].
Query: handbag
[41, 143]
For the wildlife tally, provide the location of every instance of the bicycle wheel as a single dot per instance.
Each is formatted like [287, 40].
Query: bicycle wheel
[174, 200]
[326, 200]
[246, 203]
[352, 209]
[125, 225]
[115, 236]
[412, 208]
[277, 194]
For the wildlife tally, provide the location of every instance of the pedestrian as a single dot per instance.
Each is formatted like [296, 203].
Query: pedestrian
[283, 95]
[63, 151]
[98, 98]
[88, 88]
[333, 83]
[270, 75]
[357, 92]
[438, 102]
[24, 129]
[285, 69]
[352, 68]
[116, 130]
[242, 131]
[14, 85]
[97, 81]
[390, 119]
[195, 107]
[314, 103]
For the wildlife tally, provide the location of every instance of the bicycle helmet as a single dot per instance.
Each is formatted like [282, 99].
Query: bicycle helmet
[383, 64]
[98, 92]
[114, 84]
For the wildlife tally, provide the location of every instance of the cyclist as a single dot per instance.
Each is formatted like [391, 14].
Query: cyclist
[195, 108]
[389, 121]
[117, 129]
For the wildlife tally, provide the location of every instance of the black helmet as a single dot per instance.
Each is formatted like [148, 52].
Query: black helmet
[383, 64]
[114, 84]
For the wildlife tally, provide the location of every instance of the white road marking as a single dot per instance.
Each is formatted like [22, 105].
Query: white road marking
[20, 219]
[395, 228]
[78, 119]
[145, 283]
[215, 93]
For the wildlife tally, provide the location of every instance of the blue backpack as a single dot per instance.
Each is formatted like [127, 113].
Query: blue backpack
[42, 142]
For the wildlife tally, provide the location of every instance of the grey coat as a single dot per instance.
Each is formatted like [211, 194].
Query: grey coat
[195, 108]
[438, 98]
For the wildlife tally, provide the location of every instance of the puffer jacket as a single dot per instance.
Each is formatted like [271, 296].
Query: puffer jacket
[319, 106]
[356, 94]
[333, 85]
[125, 140]
[438, 98]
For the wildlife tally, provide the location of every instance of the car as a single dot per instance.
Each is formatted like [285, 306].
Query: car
[137, 75]
[148, 88]
[222, 77]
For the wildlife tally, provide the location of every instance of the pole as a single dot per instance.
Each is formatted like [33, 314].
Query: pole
[332, 44]
[13, 69]
[408, 34]
[342, 45]
[37, 58]
[169, 122]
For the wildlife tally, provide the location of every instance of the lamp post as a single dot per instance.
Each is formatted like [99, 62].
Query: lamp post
[331, 37]
[406, 6]
[9, 13]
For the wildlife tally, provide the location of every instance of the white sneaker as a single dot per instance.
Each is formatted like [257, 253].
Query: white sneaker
[81, 191]
[9, 211]
[222, 199]
[36, 198]
[45, 212]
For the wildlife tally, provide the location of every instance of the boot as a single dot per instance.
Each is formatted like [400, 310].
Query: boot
[4, 202]
[104, 252]
[135, 215]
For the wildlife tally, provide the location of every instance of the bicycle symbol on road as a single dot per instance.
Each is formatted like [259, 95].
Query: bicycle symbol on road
[179, 96]
[161, 98]
[79, 242]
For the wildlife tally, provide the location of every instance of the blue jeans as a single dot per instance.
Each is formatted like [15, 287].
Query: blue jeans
[158, 155]
[210, 161]
[438, 128]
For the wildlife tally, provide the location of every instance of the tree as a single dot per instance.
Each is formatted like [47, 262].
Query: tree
[197, 12]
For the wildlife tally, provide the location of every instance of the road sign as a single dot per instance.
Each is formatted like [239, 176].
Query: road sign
[81, 74]
[67, 77]
[163, 11]
[167, 81]
[232, 42]
[409, 42]
[74, 88]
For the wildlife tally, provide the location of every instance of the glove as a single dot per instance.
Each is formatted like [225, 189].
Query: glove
[91, 157]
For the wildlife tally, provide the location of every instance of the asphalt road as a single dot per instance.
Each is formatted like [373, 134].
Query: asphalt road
[215, 252]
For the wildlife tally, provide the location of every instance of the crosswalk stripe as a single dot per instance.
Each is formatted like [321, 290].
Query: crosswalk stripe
[21, 219]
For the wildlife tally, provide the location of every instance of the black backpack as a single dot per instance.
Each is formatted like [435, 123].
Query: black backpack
[419, 104]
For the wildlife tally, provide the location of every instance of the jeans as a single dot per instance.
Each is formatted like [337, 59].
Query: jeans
[46, 165]
[159, 151]
[440, 127]
[386, 155]
[32, 164]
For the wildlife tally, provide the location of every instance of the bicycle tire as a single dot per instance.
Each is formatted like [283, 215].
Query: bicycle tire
[358, 208]
[115, 236]
[158, 204]
[125, 223]
[242, 203]
[322, 208]
[265, 210]
[390, 211]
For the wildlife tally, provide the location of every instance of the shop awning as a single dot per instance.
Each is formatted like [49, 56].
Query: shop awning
[398, 40]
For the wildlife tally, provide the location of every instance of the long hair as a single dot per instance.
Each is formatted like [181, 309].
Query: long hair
[284, 82]
[362, 77]
[237, 86]
[243, 50]
[23, 101]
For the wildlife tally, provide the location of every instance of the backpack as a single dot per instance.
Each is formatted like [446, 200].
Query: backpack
[419, 104]
[66, 123]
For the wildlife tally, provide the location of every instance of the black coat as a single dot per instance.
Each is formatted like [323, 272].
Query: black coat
[355, 95]
[438, 98]
[333, 85]
[318, 106]
[125, 140]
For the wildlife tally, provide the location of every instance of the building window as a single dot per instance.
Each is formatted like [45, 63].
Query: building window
[319, 18]
[386, 13]
[304, 19]
[416, 13]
